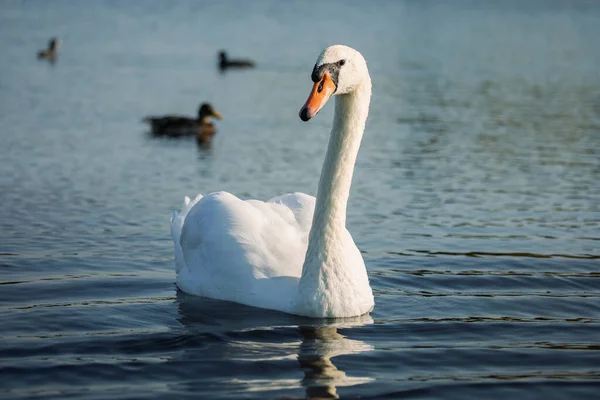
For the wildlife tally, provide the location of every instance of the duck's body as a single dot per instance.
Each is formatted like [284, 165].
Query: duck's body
[292, 253]
[51, 52]
[225, 62]
[178, 126]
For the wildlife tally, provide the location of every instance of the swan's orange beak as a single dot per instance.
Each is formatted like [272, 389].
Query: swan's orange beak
[321, 92]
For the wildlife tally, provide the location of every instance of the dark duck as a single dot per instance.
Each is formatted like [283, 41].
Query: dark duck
[226, 63]
[179, 126]
[51, 52]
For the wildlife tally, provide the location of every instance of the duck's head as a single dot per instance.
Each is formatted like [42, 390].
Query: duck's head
[222, 56]
[207, 110]
[339, 70]
[53, 44]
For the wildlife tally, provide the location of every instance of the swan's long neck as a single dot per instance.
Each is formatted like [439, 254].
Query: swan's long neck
[329, 220]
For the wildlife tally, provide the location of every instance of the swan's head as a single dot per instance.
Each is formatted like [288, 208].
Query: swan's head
[339, 70]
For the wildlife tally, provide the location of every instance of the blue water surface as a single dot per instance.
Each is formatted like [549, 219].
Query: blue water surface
[475, 200]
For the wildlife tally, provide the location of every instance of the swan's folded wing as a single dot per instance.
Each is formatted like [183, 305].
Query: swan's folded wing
[176, 225]
[302, 205]
[230, 247]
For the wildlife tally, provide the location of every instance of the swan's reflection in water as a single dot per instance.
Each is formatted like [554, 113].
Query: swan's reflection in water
[319, 345]
[268, 340]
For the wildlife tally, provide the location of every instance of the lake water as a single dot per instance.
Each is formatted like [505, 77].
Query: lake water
[475, 200]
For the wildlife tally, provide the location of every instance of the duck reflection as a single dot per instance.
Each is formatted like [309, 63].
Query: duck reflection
[320, 343]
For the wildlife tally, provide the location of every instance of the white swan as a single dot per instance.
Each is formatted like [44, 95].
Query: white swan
[291, 253]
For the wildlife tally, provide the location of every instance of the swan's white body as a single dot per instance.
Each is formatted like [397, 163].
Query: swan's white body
[293, 252]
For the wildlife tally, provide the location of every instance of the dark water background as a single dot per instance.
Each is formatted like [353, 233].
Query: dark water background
[476, 198]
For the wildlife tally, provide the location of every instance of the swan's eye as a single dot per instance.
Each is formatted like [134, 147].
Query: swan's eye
[341, 63]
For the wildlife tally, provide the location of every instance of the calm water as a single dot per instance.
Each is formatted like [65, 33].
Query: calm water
[476, 198]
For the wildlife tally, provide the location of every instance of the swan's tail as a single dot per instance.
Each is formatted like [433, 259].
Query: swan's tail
[177, 221]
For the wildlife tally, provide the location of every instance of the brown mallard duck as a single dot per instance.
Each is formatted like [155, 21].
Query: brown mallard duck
[178, 126]
[225, 62]
[51, 52]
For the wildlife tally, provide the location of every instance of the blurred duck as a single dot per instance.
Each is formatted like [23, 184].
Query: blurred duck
[178, 126]
[225, 62]
[51, 52]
